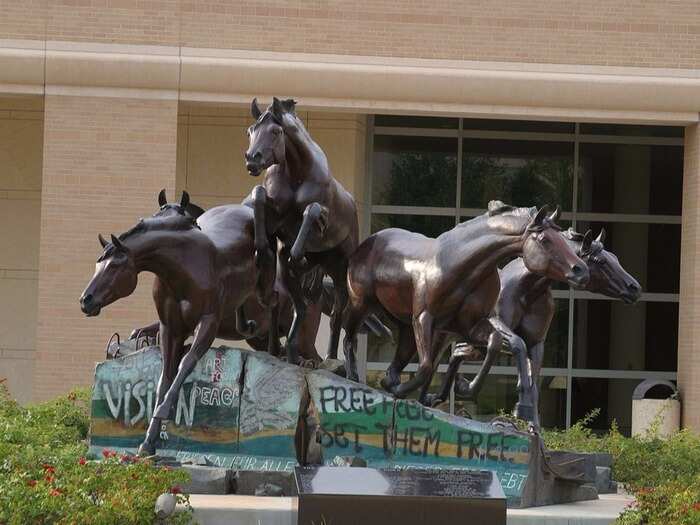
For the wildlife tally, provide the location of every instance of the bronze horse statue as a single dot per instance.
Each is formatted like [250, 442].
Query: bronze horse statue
[205, 273]
[433, 288]
[525, 304]
[302, 205]
[263, 337]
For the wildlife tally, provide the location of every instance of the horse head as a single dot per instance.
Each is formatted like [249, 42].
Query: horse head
[546, 252]
[608, 277]
[116, 271]
[115, 277]
[266, 135]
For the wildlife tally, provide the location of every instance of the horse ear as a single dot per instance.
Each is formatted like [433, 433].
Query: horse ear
[102, 240]
[162, 199]
[185, 200]
[538, 221]
[555, 214]
[277, 108]
[601, 236]
[289, 105]
[254, 109]
[118, 244]
[587, 242]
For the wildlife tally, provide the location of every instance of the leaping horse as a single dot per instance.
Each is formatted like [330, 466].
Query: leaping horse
[526, 306]
[302, 205]
[205, 273]
[433, 288]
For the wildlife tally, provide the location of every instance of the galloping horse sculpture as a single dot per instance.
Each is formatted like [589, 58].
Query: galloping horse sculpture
[205, 273]
[302, 205]
[449, 285]
[526, 306]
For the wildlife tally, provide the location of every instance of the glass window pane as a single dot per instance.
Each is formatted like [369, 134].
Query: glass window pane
[522, 173]
[520, 125]
[611, 335]
[630, 130]
[401, 121]
[500, 394]
[612, 396]
[651, 253]
[630, 178]
[414, 171]
[428, 225]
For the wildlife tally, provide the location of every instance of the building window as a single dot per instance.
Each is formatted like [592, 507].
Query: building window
[428, 174]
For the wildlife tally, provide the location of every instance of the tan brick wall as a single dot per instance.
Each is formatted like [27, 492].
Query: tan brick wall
[21, 143]
[689, 308]
[104, 162]
[656, 33]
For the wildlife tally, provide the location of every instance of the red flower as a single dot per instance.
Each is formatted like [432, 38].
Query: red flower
[48, 468]
[176, 490]
[696, 506]
[49, 479]
[124, 458]
[31, 482]
[108, 453]
[82, 461]
[55, 492]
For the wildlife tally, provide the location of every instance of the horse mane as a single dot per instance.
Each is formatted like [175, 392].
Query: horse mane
[575, 236]
[498, 210]
[152, 224]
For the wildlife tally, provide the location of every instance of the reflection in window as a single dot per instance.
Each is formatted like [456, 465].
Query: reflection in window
[414, 171]
[613, 397]
[430, 226]
[522, 173]
[616, 336]
[630, 178]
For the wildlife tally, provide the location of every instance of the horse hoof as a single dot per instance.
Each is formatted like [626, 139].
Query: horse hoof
[387, 383]
[433, 400]
[146, 450]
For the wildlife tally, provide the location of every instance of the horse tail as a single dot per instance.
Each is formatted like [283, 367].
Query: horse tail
[312, 285]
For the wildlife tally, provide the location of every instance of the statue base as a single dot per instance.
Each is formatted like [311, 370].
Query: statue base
[247, 411]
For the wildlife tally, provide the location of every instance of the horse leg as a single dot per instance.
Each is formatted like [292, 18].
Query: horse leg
[171, 349]
[314, 215]
[338, 273]
[452, 369]
[484, 330]
[354, 315]
[291, 282]
[524, 408]
[424, 397]
[405, 351]
[273, 337]
[423, 330]
[536, 358]
[265, 259]
[204, 336]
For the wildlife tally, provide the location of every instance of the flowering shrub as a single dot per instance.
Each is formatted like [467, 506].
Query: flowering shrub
[46, 478]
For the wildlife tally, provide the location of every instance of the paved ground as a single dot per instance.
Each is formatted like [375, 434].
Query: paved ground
[251, 510]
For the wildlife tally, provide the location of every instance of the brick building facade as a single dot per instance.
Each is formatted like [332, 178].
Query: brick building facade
[103, 103]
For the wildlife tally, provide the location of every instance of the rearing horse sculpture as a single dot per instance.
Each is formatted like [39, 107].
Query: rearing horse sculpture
[301, 204]
[446, 286]
[526, 306]
[205, 272]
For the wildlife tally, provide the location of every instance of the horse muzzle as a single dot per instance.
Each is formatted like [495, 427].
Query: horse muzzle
[89, 306]
[578, 276]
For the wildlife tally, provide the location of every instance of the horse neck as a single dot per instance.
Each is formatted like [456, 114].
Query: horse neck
[473, 253]
[528, 285]
[301, 152]
[163, 252]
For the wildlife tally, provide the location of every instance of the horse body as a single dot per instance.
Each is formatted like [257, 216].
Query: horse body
[434, 287]
[205, 272]
[526, 305]
[302, 205]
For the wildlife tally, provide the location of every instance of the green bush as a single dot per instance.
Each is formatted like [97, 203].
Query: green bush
[46, 478]
[663, 474]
